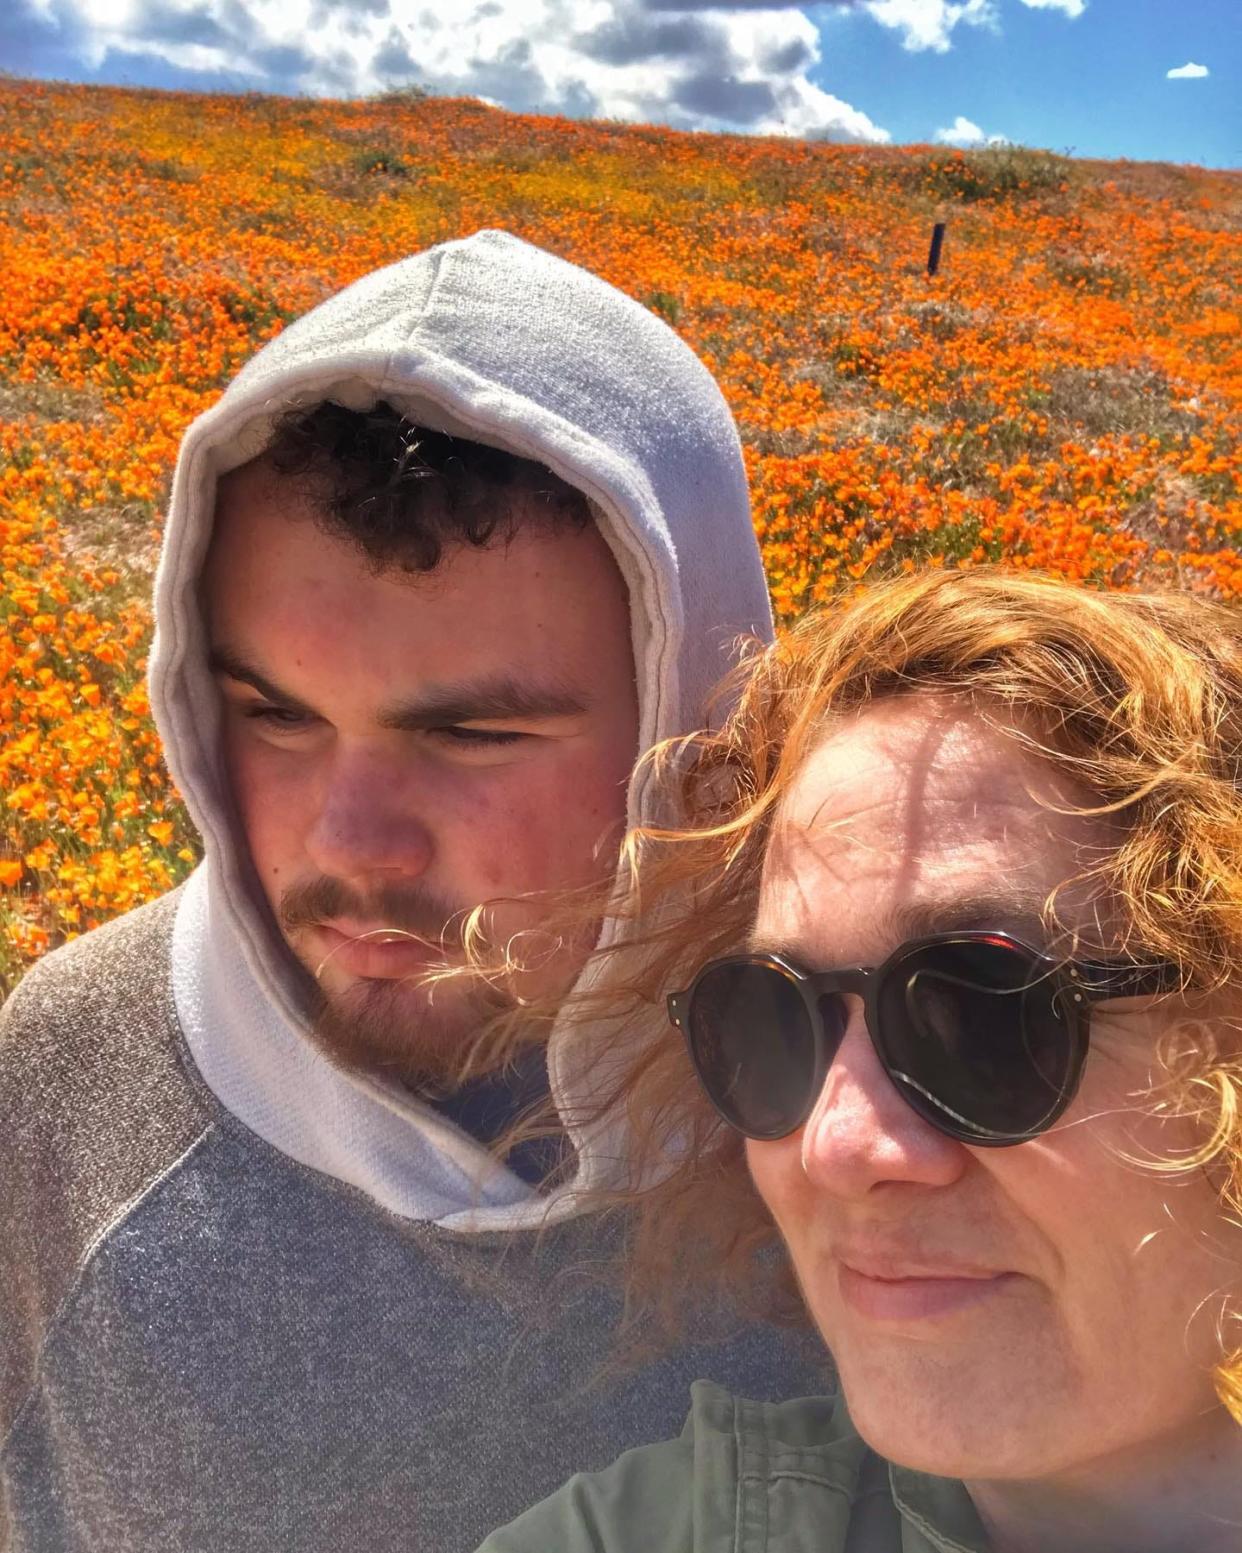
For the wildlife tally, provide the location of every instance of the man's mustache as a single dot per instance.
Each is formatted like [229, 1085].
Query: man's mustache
[322, 900]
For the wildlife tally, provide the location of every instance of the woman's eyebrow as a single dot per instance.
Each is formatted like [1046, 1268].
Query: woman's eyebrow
[1016, 910]
[765, 943]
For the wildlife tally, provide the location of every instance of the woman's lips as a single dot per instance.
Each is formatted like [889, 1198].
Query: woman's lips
[918, 1298]
[373, 955]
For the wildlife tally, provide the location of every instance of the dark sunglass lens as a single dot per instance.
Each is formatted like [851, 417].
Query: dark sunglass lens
[976, 1037]
[752, 1042]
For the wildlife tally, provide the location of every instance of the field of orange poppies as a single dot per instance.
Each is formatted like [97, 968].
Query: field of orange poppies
[1063, 394]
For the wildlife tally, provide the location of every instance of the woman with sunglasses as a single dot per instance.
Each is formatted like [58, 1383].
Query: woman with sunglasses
[959, 980]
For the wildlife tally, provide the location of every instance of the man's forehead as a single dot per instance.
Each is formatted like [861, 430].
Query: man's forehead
[534, 626]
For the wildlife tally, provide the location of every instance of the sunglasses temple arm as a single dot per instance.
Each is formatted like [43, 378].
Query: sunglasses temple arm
[1103, 981]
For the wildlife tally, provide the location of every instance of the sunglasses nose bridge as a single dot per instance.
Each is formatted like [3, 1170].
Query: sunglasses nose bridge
[853, 978]
[840, 999]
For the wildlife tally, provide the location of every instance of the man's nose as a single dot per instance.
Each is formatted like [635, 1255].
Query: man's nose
[862, 1134]
[366, 822]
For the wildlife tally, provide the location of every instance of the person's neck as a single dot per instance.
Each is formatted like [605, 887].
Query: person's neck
[1177, 1492]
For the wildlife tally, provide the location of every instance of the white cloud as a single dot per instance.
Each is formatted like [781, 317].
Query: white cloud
[927, 24]
[184, 56]
[745, 69]
[802, 109]
[1071, 8]
[1187, 73]
[963, 133]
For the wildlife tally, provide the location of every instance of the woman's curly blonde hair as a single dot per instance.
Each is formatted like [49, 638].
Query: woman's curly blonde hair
[1137, 697]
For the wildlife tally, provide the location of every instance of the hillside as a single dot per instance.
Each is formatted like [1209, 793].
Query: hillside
[1063, 394]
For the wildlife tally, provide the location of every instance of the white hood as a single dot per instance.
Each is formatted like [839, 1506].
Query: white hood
[491, 339]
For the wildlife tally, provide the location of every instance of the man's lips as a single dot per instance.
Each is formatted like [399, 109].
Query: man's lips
[894, 1289]
[371, 949]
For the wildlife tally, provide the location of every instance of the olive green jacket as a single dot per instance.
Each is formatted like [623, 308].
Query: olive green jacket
[751, 1477]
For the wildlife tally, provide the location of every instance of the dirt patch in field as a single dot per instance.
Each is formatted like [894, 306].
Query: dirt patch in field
[1100, 401]
[123, 538]
[43, 401]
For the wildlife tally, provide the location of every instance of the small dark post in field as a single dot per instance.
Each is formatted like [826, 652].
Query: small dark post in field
[933, 257]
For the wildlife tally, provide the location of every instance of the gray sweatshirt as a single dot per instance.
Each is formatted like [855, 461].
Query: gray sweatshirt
[251, 1301]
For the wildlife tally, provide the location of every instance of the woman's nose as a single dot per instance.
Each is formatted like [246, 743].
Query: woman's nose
[862, 1134]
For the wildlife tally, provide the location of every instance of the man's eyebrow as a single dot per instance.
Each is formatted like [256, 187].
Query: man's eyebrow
[499, 699]
[223, 660]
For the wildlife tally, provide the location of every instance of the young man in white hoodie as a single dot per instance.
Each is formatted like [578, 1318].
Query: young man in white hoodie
[447, 554]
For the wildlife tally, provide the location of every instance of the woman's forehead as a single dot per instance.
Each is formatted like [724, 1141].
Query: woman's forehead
[921, 752]
[917, 805]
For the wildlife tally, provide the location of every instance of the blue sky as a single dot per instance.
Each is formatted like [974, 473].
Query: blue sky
[1095, 84]
[1089, 76]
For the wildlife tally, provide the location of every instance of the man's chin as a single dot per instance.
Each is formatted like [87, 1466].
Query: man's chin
[416, 1036]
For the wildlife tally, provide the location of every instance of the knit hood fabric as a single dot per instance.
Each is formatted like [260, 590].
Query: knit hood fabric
[497, 341]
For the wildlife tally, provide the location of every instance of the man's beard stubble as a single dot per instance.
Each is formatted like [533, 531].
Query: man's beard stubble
[418, 1030]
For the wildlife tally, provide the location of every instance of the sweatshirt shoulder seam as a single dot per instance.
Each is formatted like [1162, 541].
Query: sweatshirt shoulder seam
[93, 1247]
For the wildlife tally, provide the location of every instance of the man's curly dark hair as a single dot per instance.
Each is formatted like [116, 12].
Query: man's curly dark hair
[401, 494]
